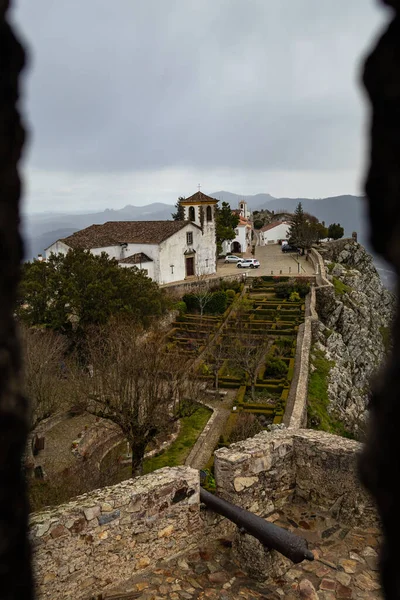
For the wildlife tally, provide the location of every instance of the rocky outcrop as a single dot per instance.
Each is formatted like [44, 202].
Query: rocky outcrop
[354, 313]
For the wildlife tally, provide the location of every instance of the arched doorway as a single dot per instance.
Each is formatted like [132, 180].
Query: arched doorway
[236, 247]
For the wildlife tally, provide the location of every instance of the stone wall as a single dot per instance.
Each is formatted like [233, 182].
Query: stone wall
[258, 473]
[102, 538]
[189, 286]
[261, 474]
[296, 407]
[326, 476]
[319, 266]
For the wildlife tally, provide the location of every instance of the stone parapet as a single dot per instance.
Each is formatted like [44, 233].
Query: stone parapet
[319, 267]
[258, 473]
[261, 474]
[326, 477]
[102, 538]
[296, 406]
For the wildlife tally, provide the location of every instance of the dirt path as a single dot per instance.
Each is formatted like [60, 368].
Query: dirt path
[208, 439]
[57, 454]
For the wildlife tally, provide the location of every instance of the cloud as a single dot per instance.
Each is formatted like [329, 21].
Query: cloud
[145, 87]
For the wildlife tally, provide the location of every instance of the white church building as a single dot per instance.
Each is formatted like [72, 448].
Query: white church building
[242, 240]
[168, 251]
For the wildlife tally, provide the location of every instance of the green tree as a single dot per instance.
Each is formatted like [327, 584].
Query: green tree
[179, 215]
[258, 224]
[304, 230]
[68, 293]
[335, 231]
[225, 223]
[321, 231]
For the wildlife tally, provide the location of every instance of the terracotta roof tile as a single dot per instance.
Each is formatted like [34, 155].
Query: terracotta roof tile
[272, 225]
[136, 259]
[119, 232]
[199, 198]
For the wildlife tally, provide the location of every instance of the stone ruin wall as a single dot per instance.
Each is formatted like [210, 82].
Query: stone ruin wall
[100, 539]
[263, 473]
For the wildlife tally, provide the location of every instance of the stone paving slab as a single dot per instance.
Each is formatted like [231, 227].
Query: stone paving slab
[345, 567]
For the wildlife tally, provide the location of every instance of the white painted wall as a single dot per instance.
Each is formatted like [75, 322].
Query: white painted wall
[243, 236]
[272, 236]
[172, 253]
[56, 248]
[148, 267]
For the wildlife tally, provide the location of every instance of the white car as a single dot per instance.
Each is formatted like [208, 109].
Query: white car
[231, 258]
[248, 263]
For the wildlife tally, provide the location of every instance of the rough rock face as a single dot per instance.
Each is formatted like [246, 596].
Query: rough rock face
[353, 331]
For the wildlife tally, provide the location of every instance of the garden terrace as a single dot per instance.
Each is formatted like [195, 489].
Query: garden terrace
[191, 331]
[277, 320]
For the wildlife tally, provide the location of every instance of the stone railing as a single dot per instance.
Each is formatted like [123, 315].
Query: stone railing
[319, 267]
[296, 406]
[100, 539]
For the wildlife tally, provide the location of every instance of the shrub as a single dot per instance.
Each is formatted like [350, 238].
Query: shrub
[230, 294]
[181, 307]
[218, 303]
[275, 366]
[191, 302]
[230, 285]
[285, 288]
[302, 287]
[247, 425]
[294, 297]
[241, 394]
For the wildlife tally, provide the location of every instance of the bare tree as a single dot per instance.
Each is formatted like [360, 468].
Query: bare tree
[247, 425]
[131, 383]
[43, 355]
[202, 292]
[248, 351]
[217, 354]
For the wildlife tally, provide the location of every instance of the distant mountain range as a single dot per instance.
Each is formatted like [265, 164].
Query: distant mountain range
[346, 210]
[42, 229]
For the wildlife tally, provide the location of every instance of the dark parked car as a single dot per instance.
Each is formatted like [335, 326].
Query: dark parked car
[289, 248]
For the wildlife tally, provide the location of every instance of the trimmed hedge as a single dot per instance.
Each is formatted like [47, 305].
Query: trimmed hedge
[260, 411]
[275, 366]
[241, 394]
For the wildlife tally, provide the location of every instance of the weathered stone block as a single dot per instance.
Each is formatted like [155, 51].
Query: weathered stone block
[108, 517]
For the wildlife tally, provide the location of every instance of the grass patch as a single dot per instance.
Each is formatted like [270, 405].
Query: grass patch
[318, 401]
[340, 287]
[330, 267]
[191, 427]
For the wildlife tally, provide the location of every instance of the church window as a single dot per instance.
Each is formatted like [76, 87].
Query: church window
[189, 238]
[209, 213]
[192, 214]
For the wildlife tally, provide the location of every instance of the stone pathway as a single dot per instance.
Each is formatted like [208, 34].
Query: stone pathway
[345, 564]
[205, 445]
[206, 573]
[345, 567]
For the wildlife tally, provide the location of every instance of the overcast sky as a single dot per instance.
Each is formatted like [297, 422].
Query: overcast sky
[138, 101]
